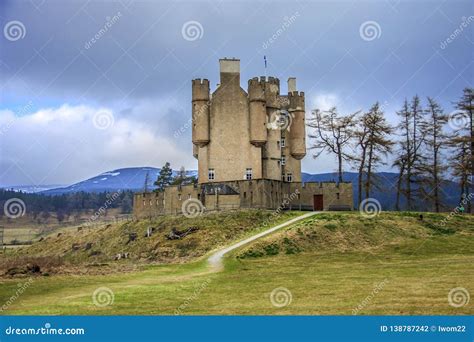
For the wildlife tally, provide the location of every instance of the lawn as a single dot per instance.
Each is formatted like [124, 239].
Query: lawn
[394, 273]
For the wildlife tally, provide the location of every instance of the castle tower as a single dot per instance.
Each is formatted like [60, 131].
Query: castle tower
[200, 113]
[234, 132]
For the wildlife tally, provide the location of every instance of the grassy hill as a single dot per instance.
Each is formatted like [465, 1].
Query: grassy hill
[331, 263]
[96, 248]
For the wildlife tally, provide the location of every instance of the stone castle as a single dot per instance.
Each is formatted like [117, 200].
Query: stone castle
[249, 147]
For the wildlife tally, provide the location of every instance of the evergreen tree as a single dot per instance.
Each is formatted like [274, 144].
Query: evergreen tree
[165, 177]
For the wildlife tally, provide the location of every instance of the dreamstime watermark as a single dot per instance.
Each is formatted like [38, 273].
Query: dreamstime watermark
[103, 119]
[14, 30]
[46, 330]
[287, 22]
[459, 119]
[103, 296]
[110, 21]
[464, 24]
[197, 291]
[281, 297]
[370, 207]
[19, 291]
[280, 120]
[294, 195]
[458, 297]
[202, 110]
[459, 209]
[103, 209]
[370, 30]
[192, 208]
[192, 30]
[22, 111]
[14, 208]
[377, 288]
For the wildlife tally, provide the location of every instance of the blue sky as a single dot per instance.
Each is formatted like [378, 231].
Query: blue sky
[55, 82]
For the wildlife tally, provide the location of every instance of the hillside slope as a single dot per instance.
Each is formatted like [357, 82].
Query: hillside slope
[351, 232]
[100, 246]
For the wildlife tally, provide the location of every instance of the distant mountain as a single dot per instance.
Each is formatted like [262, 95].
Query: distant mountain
[31, 188]
[133, 178]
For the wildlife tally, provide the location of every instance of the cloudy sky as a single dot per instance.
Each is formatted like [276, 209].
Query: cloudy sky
[91, 86]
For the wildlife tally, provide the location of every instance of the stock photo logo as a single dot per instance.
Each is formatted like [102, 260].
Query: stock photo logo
[14, 30]
[103, 296]
[458, 297]
[192, 30]
[370, 30]
[280, 120]
[459, 119]
[192, 208]
[103, 119]
[370, 207]
[14, 208]
[281, 297]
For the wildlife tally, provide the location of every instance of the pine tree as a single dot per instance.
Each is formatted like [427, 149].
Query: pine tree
[165, 177]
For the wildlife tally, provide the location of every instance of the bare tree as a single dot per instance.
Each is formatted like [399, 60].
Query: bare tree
[460, 164]
[379, 143]
[466, 106]
[332, 133]
[404, 152]
[410, 159]
[371, 137]
[435, 138]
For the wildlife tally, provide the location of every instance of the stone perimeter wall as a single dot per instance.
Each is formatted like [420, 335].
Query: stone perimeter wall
[256, 194]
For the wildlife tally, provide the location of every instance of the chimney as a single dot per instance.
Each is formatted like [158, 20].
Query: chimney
[291, 84]
[230, 70]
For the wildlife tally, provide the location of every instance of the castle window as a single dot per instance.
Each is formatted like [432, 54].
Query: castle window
[289, 177]
[144, 203]
[248, 174]
[245, 194]
[157, 202]
[283, 142]
[151, 203]
[283, 160]
[278, 144]
[189, 196]
[211, 174]
[279, 163]
[179, 197]
[337, 195]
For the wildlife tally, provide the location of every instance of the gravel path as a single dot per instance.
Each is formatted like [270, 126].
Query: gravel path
[215, 260]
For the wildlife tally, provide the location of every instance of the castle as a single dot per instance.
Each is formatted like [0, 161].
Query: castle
[249, 147]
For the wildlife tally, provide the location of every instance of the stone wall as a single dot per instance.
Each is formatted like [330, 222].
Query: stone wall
[255, 194]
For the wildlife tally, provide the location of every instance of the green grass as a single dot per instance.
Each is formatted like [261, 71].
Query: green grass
[327, 270]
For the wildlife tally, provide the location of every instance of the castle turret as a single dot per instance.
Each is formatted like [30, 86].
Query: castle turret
[297, 129]
[258, 112]
[200, 111]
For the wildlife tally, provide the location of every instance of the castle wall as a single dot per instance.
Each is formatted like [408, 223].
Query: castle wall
[255, 194]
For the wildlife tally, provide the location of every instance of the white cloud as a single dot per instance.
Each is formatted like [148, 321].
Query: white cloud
[325, 101]
[63, 145]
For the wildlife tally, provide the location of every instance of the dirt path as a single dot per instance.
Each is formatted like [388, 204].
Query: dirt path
[215, 260]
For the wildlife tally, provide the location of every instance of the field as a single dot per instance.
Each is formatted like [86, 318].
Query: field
[331, 263]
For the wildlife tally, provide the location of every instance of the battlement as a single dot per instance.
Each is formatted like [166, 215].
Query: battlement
[200, 89]
[256, 89]
[296, 99]
[199, 81]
